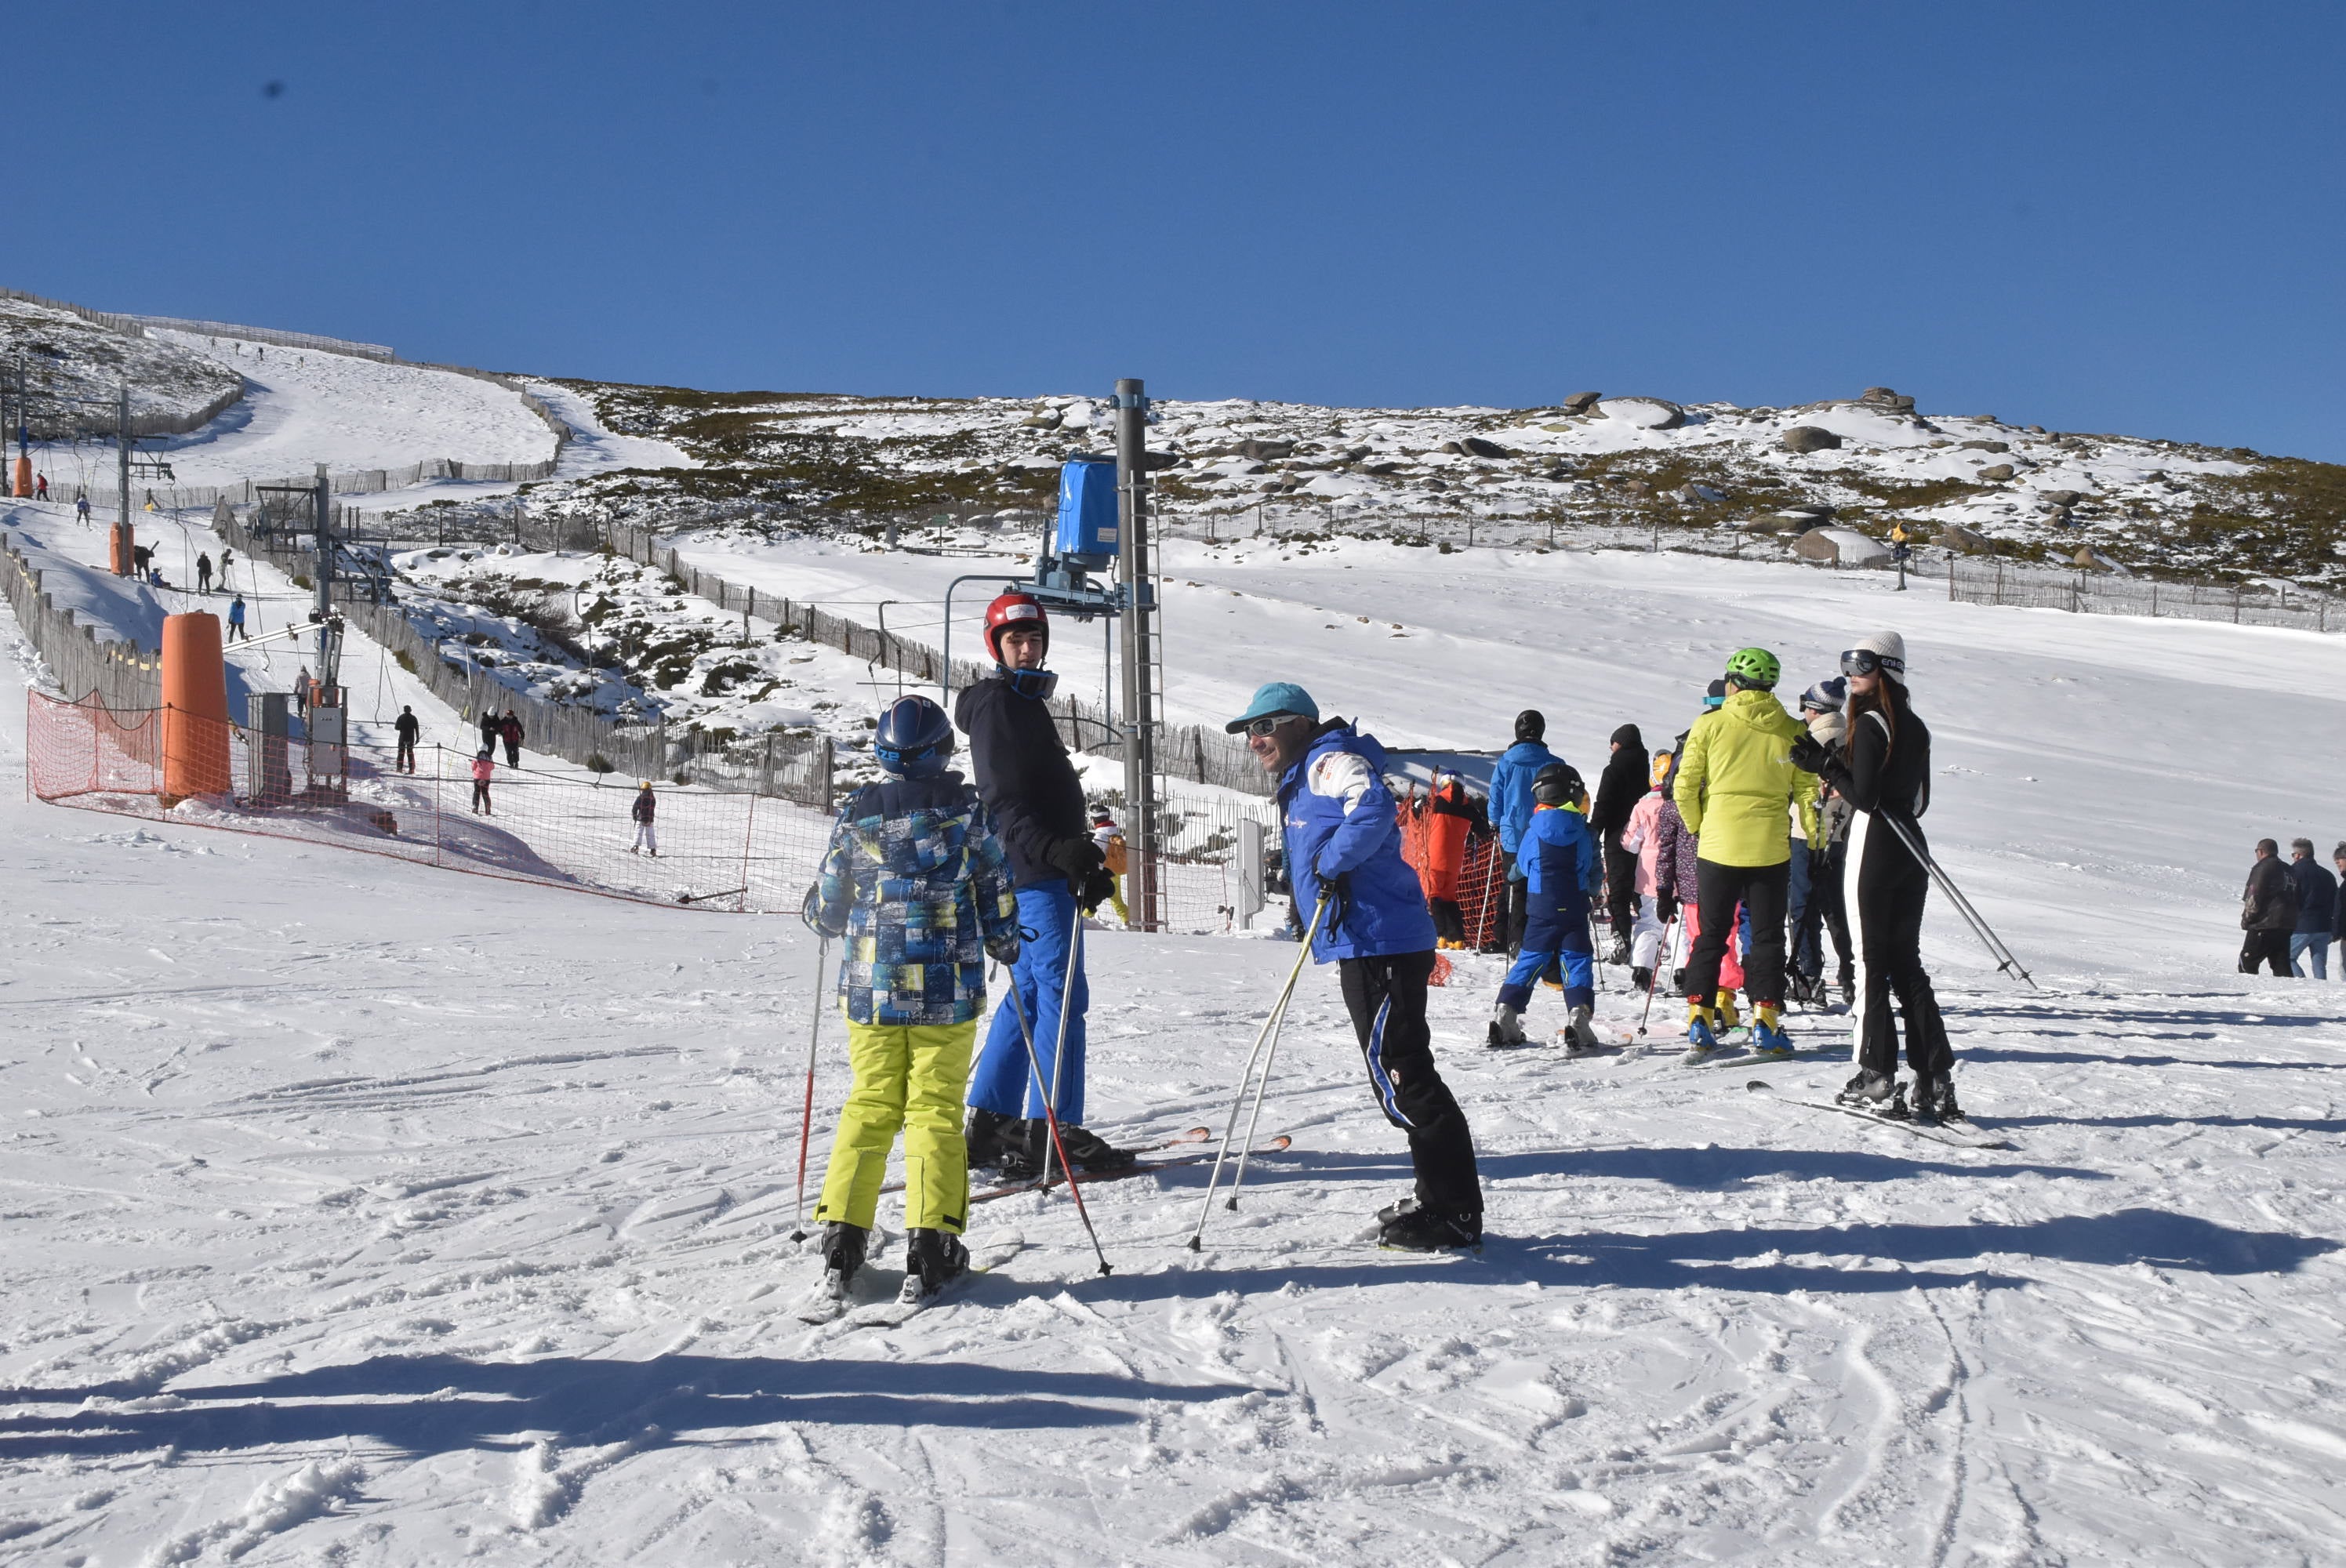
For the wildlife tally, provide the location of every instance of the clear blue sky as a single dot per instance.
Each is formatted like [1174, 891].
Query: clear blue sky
[2093, 216]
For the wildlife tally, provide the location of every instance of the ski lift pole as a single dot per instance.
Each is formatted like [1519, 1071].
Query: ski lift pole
[2004, 956]
[1269, 1028]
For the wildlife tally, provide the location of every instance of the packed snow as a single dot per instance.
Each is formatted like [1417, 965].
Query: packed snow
[362, 1213]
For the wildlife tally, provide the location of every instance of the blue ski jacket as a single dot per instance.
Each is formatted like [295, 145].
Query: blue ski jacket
[1343, 832]
[1564, 869]
[1511, 789]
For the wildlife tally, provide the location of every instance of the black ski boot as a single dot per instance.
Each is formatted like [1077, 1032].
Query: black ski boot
[1848, 978]
[1869, 1090]
[1619, 951]
[842, 1255]
[1416, 1229]
[1090, 1153]
[989, 1134]
[1935, 1101]
[1393, 1211]
[932, 1260]
[1641, 980]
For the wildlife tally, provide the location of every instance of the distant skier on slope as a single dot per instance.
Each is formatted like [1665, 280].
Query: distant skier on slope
[1511, 809]
[1619, 788]
[1563, 872]
[408, 727]
[917, 882]
[644, 811]
[1344, 839]
[1735, 783]
[1883, 767]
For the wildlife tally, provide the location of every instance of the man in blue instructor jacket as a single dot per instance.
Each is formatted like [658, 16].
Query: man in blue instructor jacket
[1342, 842]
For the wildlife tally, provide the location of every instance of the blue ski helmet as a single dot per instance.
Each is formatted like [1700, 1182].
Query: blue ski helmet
[914, 740]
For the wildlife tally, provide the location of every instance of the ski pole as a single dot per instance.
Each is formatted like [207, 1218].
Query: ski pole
[806, 1111]
[1278, 1014]
[1051, 1119]
[1059, 1051]
[1669, 948]
[1994, 944]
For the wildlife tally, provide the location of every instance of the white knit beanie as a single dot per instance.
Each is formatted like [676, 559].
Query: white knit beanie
[1891, 649]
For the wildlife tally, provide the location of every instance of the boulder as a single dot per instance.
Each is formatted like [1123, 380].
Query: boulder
[1645, 412]
[1883, 397]
[1452, 447]
[1814, 509]
[1955, 537]
[1579, 403]
[1475, 446]
[1265, 451]
[1996, 471]
[1840, 548]
[1809, 438]
[1041, 421]
[1802, 521]
[2065, 497]
[1381, 468]
[1987, 446]
[1776, 525]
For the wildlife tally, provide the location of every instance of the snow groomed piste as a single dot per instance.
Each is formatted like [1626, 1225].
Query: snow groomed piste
[361, 1212]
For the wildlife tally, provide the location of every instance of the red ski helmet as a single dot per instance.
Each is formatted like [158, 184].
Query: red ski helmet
[1014, 609]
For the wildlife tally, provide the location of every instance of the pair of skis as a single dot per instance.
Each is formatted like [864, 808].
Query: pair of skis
[1964, 1134]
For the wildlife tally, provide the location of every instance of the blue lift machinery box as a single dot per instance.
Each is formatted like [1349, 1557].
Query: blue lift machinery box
[1087, 521]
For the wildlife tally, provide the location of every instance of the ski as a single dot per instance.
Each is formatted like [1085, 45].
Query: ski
[910, 1300]
[1187, 1136]
[1963, 1135]
[1726, 1058]
[1138, 1169]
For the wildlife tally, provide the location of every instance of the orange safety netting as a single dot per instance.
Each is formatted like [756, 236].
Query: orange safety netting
[1481, 879]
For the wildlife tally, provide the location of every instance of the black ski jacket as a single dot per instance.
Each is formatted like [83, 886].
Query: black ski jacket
[2269, 901]
[1029, 785]
[1890, 761]
[1622, 785]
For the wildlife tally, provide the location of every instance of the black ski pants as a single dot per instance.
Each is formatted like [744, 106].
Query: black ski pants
[1449, 921]
[1620, 887]
[2266, 947]
[1825, 913]
[1518, 906]
[1890, 886]
[1386, 997]
[405, 761]
[1760, 890]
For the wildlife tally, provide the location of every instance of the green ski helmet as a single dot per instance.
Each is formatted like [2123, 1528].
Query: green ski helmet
[1754, 668]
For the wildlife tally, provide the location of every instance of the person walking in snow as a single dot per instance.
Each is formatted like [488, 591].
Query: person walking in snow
[2338, 916]
[1883, 769]
[2268, 912]
[644, 807]
[1343, 846]
[301, 691]
[227, 559]
[918, 883]
[491, 722]
[1563, 871]
[1736, 788]
[1619, 788]
[41, 488]
[1641, 837]
[509, 730]
[408, 727]
[236, 619]
[2317, 904]
[484, 767]
[1511, 809]
[1036, 799]
[204, 574]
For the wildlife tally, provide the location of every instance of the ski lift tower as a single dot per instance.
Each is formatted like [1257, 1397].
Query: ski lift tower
[329, 746]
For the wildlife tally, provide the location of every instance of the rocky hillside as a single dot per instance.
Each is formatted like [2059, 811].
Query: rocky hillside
[1874, 462]
[73, 368]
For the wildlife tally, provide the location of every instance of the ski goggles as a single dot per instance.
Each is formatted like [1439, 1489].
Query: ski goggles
[1038, 684]
[1865, 661]
[1264, 728]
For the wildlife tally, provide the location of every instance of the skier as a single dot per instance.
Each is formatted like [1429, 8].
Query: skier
[491, 723]
[1113, 858]
[1563, 871]
[141, 557]
[1619, 788]
[1511, 808]
[644, 807]
[227, 559]
[204, 574]
[301, 691]
[1450, 814]
[1884, 768]
[1675, 878]
[1037, 802]
[1643, 840]
[2317, 901]
[484, 767]
[1735, 786]
[509, 730]
[236, 619]
[81, 509]
[1344, 839]
[41, 487]
[916, 880]
[1824, 914]
[408, 727]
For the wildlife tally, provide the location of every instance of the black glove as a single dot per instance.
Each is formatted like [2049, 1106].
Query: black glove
[1338, 891]
[1665, 907]
[1073, 859]
[1810, 755]
[1003, 949]
[1098, 888]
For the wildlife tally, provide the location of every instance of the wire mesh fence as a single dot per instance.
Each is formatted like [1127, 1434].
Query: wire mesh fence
[121, 673]
[2100, 594]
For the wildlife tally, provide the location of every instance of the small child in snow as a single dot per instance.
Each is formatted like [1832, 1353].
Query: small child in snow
[646, 807]
[1562, 870]
[484, 767]
[917, 882]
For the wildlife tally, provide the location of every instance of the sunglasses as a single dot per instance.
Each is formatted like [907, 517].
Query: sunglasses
[1865, 661]
[1264, 728]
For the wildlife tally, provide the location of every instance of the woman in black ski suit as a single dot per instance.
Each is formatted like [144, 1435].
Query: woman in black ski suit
[1882, 768]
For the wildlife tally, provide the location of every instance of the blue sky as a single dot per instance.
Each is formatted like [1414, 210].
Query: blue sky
[2100, 218]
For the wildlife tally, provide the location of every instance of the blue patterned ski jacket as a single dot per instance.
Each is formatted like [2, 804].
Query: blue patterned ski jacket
[915, 881]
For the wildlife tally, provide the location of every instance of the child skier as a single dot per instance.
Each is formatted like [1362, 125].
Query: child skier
[1642, 838]
[916, 881]
[644, 812]
[1562, 871]
[484, 767]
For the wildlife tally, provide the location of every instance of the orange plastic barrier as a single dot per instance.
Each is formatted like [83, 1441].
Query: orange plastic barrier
[25, 477]
[120, 546]
[194, 707]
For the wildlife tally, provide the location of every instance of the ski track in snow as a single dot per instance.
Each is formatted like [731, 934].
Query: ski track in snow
[362, 1213]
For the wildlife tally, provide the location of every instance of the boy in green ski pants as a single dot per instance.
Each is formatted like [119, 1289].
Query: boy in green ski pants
[915, 881]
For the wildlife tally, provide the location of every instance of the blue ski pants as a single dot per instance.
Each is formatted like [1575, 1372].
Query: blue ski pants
[1003, 1083]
